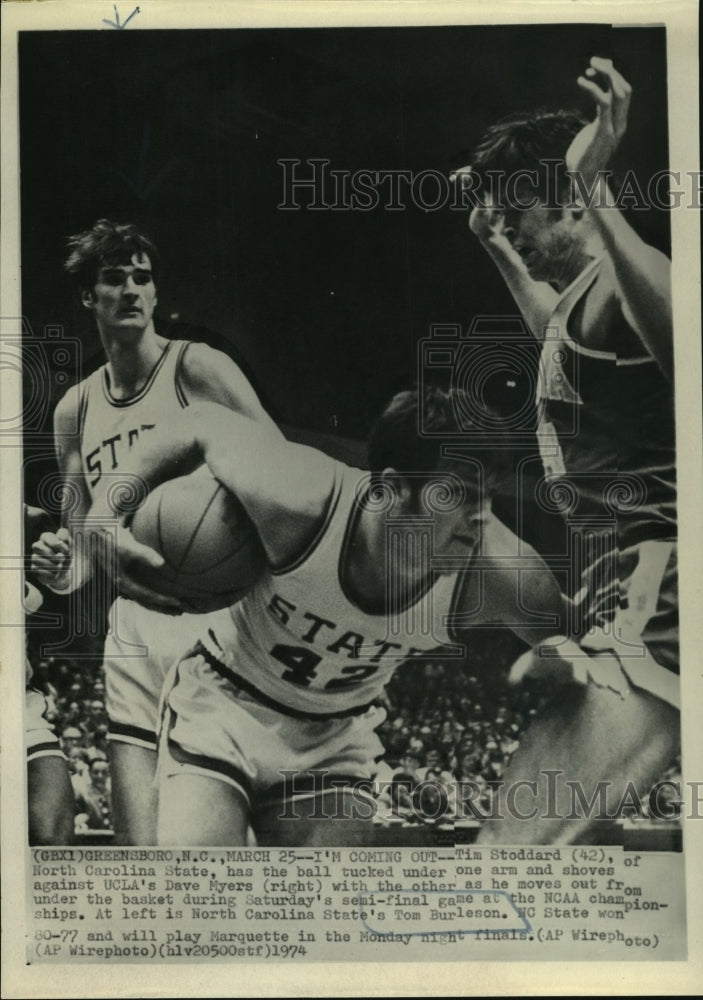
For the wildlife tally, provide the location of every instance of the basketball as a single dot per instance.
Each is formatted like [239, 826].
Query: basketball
[212, 550]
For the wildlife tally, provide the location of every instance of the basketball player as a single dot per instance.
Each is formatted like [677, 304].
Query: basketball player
[599, 297]
[270, 720]
[51, 806]
[146, 381]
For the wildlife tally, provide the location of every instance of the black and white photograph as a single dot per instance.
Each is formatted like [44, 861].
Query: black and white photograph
[351, 416]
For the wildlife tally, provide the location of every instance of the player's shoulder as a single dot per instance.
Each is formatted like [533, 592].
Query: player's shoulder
[208, 373]
[499, 544]
[70, 396]
[67, 410]
[199, 361]
[504, 555]
[607, 283]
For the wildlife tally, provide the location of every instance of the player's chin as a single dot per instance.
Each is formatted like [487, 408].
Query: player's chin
[133, 320]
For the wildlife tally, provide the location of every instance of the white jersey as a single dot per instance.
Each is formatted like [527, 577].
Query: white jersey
[109, 427]
[298, 640]
[141, 644]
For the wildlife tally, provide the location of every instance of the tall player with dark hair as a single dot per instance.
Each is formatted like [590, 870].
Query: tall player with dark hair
[270, 720]
[599, 297]
[146, 382]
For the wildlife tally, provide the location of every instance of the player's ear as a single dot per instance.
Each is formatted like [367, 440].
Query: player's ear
[87, 298]
[397, 485]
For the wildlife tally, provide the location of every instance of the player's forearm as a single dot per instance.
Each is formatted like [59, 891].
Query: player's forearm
[250, 458]
[226, 441]
[643, 277]
[175, 451]
[536, 300]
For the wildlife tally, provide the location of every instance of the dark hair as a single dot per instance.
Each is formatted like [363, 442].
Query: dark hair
[410, 433]
[105, 244]
[526, 141]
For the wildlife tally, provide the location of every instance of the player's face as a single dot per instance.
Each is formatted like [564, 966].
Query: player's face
[547, 239]
[124, 295]
[450, 500]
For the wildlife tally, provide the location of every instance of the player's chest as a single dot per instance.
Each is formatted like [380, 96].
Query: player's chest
[315, 611]
[111, 433]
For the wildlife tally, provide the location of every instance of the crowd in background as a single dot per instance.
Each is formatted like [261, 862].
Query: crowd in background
[75, 695]
[451, 729]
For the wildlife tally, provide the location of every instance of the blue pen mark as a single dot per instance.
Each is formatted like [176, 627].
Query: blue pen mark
[412, 913]
[116, 22]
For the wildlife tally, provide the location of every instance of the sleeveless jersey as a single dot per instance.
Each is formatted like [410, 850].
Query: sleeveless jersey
[606, 428]
[299, 641]
[109, 427]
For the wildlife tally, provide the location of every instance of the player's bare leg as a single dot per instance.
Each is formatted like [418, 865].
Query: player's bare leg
[587, 734]
[134, 794]
[195, 810]
[333, 819]
[51, 802]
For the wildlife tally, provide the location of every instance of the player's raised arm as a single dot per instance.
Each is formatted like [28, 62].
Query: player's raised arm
[284, 487]
[641, 273]
[536, 300]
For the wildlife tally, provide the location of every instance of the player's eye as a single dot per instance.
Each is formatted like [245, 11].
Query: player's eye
[113, 277]
[142, 277]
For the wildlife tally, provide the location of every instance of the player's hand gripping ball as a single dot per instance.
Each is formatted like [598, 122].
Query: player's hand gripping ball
[212, 551]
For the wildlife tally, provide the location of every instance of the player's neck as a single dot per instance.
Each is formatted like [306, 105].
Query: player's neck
[573, 266]
[577, 260]
[131, 357]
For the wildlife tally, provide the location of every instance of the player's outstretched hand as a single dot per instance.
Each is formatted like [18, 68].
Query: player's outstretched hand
[591, 150]
[52, 559]
[485, 222]
[126, 561]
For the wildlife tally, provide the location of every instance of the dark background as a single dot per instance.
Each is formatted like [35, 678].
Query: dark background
[181, 131]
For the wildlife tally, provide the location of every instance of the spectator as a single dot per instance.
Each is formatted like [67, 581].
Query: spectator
[94, 804]
[71, 737]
